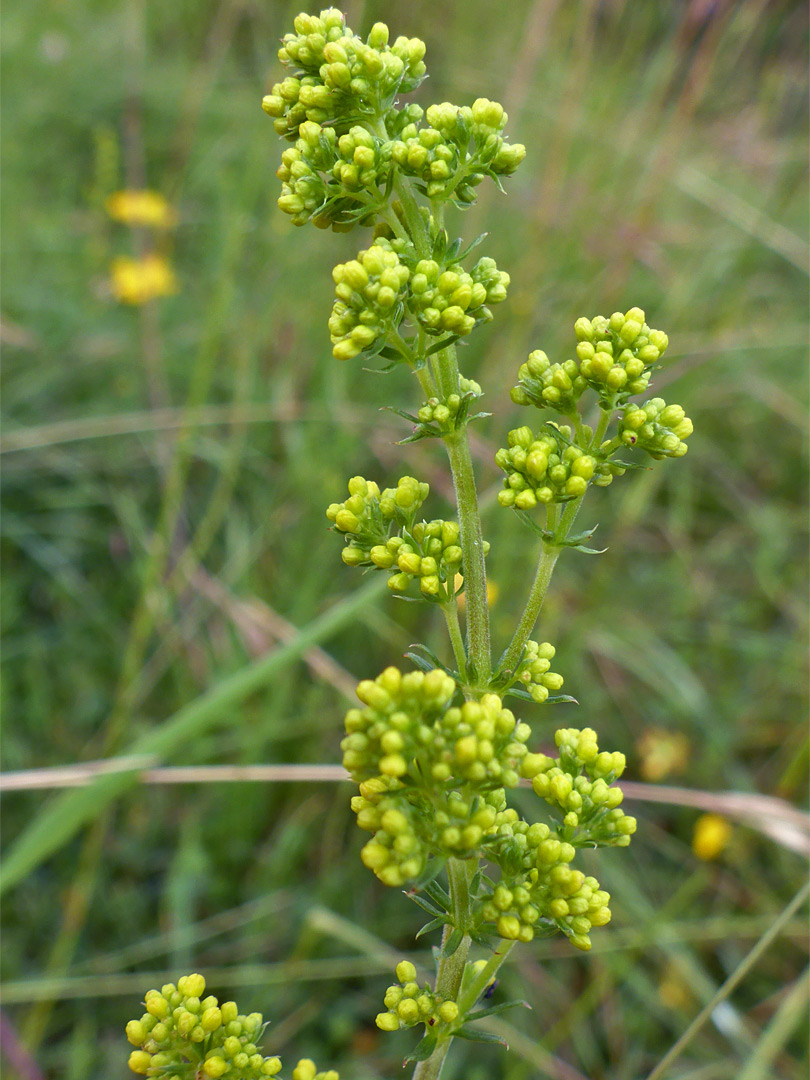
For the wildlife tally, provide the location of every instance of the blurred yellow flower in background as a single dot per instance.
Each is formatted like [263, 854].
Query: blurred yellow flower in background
[148, 208]
[673, 992]
[662, 753]
[135, 281]
[712, 833]
[492, 592]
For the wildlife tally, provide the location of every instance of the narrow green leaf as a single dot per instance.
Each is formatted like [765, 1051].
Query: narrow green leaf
[422, 1050]
[411, 419]
[434, 924]
[473, 1035]
[427, 660]
[472, 245]
[452, 943]
[443, 343]
[524, 517]
[630, 464]
[418, 435]
[424, 903]
[437, 894]
[496, 1010]
[552, 699]
[486, 940]
[581, 537]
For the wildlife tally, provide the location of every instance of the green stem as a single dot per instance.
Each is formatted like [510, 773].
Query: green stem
[484, 977]
[393, 222]
[461, 466]
[601, 428]
[451, 968]
[450, 610]
[426, 382]
[545, 568]
[472, 548]
[549, 554]
[413, 218]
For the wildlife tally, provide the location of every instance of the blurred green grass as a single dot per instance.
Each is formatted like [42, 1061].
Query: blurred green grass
[667, 167]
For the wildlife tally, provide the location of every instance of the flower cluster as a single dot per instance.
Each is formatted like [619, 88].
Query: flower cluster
[340, 75]
[547, 385]
[410, 825]
[431, 774]
[539, 893]
[578, 785]
[409, 730]
[432, 781]
[370, 291]
[451, 300]
[656, 427]
[543, 469]
[534, 672]
[137, 281]
[433, 555]
[351, 138]
[407, 1003]
[386, 283]
[368, 516]
[328, 179]
[616, 354]
[381, 531]
[455, 151]
[445, 414]
[181, 1028]
[141, 209]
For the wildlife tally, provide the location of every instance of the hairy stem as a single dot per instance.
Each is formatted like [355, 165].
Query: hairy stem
[549, 554]
[450, 610]
[472, 547]
[458, 451]
[545, 567]
[451, 968]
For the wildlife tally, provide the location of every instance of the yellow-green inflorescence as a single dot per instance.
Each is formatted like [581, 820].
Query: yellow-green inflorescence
[354, 145]
[534, 672]
[387, 284]
[615, 358]
[340, 108]
[435, 753]
[433, 778]
[407, 1004]
[544, 468]
[656, 427]
[184, 1035]
[432, 774]
[381, 531]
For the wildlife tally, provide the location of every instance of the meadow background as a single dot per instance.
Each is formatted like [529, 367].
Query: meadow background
[166, 467]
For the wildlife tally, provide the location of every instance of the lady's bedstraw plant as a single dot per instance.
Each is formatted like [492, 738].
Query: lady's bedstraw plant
[435, 750]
